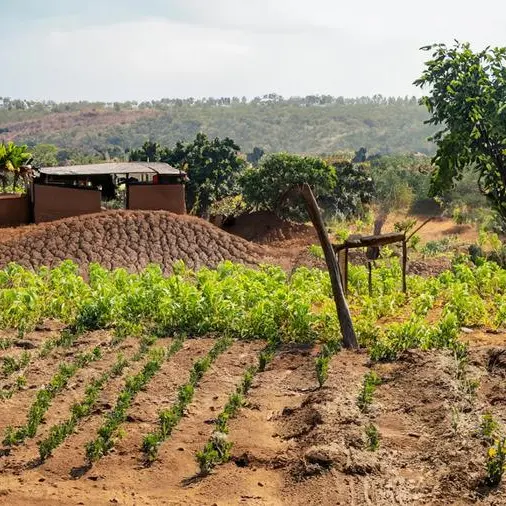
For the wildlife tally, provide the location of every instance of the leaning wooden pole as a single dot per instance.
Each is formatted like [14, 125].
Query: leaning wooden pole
[343, 311]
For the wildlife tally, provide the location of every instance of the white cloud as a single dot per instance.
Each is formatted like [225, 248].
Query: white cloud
[239, 47]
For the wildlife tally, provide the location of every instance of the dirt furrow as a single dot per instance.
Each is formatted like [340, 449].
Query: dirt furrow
[176, 457]
[27, 454]
[160, 394]
[69, 458]
[325, 435]
[43, 370]
[254, 475]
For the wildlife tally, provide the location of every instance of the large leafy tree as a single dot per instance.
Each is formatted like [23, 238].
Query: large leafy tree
[467, 99]
[354, 189]
[264, 186]
[213, 167]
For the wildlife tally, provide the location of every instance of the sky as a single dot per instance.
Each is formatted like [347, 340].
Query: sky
[116, 50]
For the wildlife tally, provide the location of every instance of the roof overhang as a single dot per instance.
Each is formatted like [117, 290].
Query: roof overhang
[113, 168]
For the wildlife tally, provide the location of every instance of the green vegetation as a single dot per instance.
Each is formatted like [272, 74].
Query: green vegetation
[371, 381]
[265, 185]
[58, 433]
[496, 462]
[13, 364]
[12, 160]
[169, 418]
[109, 431]
[322, 361]
[217, 449]
[213, 167]
[45, 397]
[488, 426]
[467, 100]
[312, 124]
[373, 437]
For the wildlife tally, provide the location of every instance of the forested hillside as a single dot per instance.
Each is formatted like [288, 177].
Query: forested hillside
[313, 124]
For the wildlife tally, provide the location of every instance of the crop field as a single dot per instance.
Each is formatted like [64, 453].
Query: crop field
[228, 385]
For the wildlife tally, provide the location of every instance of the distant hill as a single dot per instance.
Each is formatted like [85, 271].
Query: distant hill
[313, 124]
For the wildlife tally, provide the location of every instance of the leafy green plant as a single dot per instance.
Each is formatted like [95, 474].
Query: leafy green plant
[169, 418]
[45, 397]
[365, 397]
[496, 462]
[13, 364]
[316, 251]
[322, 361]
[373, 437]
[488, 426]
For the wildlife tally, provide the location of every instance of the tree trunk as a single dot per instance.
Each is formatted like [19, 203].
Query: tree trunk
[343, 311]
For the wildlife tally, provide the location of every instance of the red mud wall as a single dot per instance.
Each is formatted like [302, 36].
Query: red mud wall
[156, 197]
[14, 210]
[56, 202]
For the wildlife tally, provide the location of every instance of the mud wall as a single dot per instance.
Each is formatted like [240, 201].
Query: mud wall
[14, 210]
[157, 197]
[56, 202]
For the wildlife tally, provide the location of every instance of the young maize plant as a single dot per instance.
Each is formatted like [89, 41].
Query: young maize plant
[169, 418]
[59, 432]
[365, 397]
[109, 430]
[322, 361]
[45, 396]
[217, 449]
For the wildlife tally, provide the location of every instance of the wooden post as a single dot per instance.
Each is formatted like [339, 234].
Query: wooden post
[369, 277]
[342, 259]
[343, 311]
[404, 264]
[345, 274]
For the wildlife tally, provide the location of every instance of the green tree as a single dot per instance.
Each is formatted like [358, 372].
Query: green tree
[467, 98]
[400, 180]
[45, 155]
[213, 167]
[150, 151]
[354, 188]
[277, 173]
[12, 160]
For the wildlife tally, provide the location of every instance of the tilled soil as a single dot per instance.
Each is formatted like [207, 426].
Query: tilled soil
[294, 443]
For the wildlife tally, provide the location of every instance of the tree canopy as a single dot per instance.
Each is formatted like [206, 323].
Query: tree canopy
[213, 167]
[467, 100]
[265, 185]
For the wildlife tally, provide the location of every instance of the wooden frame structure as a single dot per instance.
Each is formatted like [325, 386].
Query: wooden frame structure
[370, 241]
[373, 242]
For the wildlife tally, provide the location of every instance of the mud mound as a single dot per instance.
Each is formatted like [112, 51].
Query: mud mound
[130, 239]
[265, 227]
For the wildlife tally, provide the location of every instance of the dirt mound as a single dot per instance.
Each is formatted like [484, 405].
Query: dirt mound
[130, 239]
[265, 227]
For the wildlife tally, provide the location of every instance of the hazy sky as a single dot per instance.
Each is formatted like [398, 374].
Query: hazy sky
[142, 49]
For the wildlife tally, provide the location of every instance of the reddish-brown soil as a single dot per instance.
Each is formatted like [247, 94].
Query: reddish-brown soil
[130, 239]
[265, 227]
[294, 444]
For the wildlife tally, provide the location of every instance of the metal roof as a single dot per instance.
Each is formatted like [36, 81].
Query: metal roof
[112, 168]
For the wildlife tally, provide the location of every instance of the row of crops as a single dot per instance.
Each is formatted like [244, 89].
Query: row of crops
[234, 302]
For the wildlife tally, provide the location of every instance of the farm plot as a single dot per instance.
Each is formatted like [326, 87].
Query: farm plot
[228, 385]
